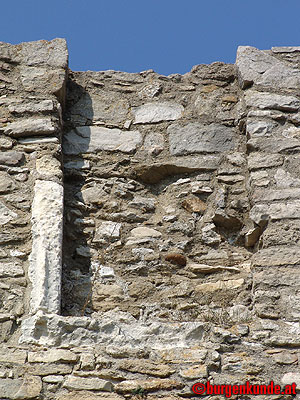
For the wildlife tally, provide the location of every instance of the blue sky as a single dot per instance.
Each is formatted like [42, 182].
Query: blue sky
[167, 36]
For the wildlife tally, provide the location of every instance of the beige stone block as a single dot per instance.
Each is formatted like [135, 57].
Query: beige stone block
[52, 356]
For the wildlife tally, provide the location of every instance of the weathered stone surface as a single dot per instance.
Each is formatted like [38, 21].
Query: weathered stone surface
[285, 180]
[286, 49]
[6, 183]
[5, 143]
[263, 195]
[14, 389]
[91, 195]
[258, 67]
[48, 166]
[285, 358]
[53, 53]
[275, 211]
[260, 128]
[194, 204]
[31, 126]
[45, 259]
[10, 269]
[94, 107]
[84, 395]
[277, 256]
[272, 101]
[251, 63]
[42, 79]
[149, 385]
[154, 143]
[107, 231]
[145, 367]
[259, 161]
[291, 377]
[77, 165]
[156, 172]
[220, 285]
[208, 269]
[32, 107]
[52, 356]
[12, 356]
[85, 383]
[142, 232]
[109, 293]
[39, 140]
[195, 372]
[49, 369]
[6, 215]
[53, 379]
[157, 112]
[198, 138]
[11, 157]
[280, 145]
[87, 139]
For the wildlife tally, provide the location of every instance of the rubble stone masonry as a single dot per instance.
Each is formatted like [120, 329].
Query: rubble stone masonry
[150, 226]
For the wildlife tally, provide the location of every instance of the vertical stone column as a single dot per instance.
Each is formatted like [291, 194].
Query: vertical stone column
[34, 122]
[271, 83]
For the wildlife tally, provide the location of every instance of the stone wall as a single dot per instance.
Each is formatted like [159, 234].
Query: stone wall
[150, 226]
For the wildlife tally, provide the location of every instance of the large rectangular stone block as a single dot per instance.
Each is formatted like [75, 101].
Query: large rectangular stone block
[45, 258]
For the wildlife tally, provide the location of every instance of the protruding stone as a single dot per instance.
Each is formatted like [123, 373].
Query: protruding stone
[259, 67]
[43, 52]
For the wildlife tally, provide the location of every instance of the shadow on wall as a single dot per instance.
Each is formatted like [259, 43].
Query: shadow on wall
[76, 274]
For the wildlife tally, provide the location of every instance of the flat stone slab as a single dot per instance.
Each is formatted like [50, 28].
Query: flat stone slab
[157, 112]
[85, 383]
[90, 139]
[31, 107]
[271, 101]
[261, 161]
[275, 211]
[30, 127]
[198, 138]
